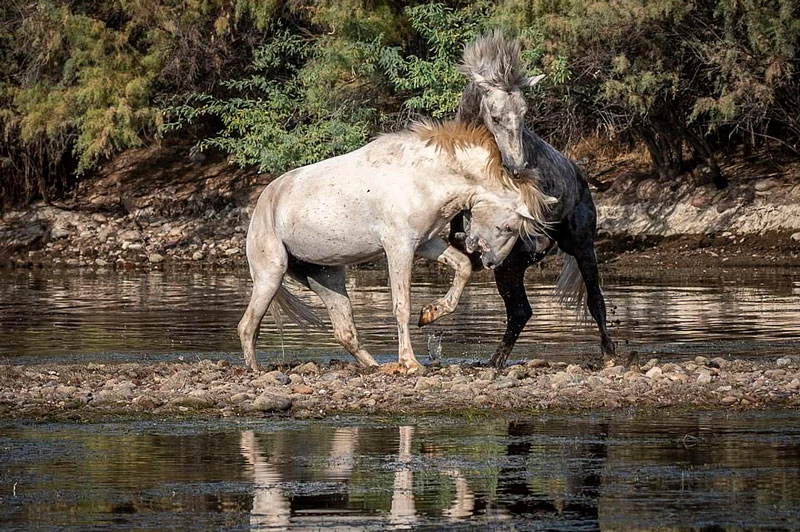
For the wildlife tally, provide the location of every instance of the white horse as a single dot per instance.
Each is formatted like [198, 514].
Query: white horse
[392, 196]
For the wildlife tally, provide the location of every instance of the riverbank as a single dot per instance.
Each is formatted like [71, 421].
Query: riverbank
[157, 208]
[91, 392]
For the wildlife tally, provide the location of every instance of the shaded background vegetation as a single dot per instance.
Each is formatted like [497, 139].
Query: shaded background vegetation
[282, 83]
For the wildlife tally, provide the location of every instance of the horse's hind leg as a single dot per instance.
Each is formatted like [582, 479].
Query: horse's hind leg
[267, 266]
[329, 284]
[581, 247]
[587, 264]
[438, 250]
[510, 280]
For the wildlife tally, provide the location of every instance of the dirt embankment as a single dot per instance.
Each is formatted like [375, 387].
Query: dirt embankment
[159, 208]
[97, 391]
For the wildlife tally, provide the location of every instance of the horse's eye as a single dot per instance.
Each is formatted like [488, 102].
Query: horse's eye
[504, 229]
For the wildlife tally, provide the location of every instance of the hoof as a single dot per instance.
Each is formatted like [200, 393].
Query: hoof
[394, 368]
[416, 370]
[429, 314]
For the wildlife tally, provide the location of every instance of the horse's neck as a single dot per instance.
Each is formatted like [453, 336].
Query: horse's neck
[469, 108]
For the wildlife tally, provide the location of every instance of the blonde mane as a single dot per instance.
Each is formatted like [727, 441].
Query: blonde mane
[454, 135]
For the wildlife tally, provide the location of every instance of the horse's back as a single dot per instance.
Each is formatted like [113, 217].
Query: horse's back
[337, 211]
[560, 177]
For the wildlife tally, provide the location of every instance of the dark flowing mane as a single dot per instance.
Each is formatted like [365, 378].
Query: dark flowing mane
[496, 59]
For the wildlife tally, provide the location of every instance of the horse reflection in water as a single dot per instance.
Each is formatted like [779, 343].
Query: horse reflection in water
[404, 512]
[272, 500]
[393, 196]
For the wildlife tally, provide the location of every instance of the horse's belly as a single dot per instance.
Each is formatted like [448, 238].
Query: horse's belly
[332, 251]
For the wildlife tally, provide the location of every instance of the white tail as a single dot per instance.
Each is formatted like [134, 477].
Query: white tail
[570, 288]
[295, 310]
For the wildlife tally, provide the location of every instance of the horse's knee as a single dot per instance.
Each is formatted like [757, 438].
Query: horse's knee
[461, 263]
[520, 315]
[401, 309]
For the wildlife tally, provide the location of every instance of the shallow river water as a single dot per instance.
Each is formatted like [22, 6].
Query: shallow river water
[638, 470]
[136, 316]
[700, 470]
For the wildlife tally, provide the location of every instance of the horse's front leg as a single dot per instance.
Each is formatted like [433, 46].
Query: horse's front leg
[401, 259]
[438, 250]
[510, 280]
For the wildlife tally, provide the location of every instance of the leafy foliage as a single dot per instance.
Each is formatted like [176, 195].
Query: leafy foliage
[433, 84]
[285, 83]
[279, 117]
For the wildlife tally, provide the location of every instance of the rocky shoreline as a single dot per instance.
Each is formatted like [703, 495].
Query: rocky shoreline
[151, 210]
[154, 208]
[92, 392]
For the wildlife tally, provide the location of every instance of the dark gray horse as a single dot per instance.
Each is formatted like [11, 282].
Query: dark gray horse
[493, 98]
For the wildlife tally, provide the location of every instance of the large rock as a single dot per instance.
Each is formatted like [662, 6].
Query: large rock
[272, 402]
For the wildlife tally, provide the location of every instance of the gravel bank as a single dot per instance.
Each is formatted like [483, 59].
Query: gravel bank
[97, 391]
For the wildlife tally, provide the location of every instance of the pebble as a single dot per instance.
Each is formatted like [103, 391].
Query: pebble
[191, 402]
[654, 373]
[653, 362]
[272, 402]
[307, 368]
[487, 374]
[703, 377]
[763, 185]
[272, 378]
[560, 379]
[427, 383]
[538, 363]
[302, 389]
[130, 235]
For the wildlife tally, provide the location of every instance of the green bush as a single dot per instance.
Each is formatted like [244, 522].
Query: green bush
[289, 83]
[279, 117]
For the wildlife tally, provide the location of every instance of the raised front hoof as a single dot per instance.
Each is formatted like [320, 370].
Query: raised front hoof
[429, 314]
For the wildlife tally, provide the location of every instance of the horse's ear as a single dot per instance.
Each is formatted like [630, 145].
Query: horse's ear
[480, 81]
[531, 81]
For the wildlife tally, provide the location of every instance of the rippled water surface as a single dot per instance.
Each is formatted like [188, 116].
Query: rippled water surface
[82, 316]
[667, 470]
[729, 471]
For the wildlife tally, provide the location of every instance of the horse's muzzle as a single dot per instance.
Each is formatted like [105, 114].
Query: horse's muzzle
[515, 171]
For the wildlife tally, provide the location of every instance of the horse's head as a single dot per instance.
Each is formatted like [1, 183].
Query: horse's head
[494, 95]
[503, 111]
[492, 227]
